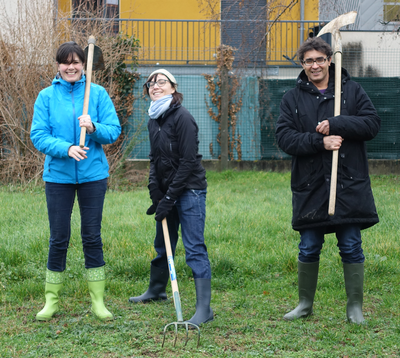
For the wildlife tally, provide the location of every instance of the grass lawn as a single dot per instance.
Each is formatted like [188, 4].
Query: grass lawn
[253, 253]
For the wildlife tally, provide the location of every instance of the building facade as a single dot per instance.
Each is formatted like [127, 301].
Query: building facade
[182, 32]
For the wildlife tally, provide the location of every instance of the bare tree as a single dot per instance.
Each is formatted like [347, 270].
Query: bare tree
[28, 44]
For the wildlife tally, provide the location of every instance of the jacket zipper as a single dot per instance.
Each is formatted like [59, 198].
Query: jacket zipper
[74, 115]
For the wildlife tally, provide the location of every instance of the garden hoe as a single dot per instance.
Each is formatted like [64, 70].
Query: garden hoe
[334, 28]
[175, 292]
[94, 61]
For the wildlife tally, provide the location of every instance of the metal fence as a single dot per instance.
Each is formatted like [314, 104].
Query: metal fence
[174, 41]
[195, 42]
[261, 98]
[187, 48]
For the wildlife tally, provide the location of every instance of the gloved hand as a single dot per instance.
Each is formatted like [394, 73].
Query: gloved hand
[152, 209]
[164, 207]
[155, 195]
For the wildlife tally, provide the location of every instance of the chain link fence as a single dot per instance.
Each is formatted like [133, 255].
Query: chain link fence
[261, 91]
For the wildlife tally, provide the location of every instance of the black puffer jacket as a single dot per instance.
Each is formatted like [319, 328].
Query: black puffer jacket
[301, 110]
[175, 163]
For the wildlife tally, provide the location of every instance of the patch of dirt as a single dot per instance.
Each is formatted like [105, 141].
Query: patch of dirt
[137, 176]
[129, 180]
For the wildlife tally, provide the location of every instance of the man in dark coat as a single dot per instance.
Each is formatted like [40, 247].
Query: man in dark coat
[308, 131]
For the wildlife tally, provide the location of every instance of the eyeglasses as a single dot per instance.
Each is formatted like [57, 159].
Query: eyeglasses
[160, 83]
[310, 61]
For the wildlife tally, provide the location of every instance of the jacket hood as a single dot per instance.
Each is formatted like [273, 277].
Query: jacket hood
[59, 81]
[170, 110]
[302, 79]
[175, 106]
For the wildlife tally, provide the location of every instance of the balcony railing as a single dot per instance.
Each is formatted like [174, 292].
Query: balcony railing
[195, 42]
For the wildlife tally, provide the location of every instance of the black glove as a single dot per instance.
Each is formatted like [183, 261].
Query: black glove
[152, 209]
[164, 207]
[155, 193]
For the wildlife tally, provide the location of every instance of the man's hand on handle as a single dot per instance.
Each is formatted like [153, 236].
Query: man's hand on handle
[332, 142]
[323, 127]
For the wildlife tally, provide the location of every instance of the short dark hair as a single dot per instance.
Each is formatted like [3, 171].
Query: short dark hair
[314, 43]
[66, 52]
[176, 96]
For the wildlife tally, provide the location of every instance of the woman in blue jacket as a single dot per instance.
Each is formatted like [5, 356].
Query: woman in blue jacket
[69, 169]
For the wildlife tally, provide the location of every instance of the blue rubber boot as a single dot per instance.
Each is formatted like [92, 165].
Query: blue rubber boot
[54, 283]
[97, 279]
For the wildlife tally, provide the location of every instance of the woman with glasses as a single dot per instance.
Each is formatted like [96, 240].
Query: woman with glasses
[70, 170]
[177, 186]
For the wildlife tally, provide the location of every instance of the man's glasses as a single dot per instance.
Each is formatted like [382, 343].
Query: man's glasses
[310, 61]
[160, 83]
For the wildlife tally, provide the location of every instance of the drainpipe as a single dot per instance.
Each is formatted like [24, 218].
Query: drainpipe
[302, 19]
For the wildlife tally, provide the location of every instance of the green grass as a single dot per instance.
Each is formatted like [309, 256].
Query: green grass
[253, 253]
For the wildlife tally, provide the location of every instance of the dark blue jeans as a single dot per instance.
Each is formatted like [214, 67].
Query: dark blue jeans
[189, 212]
[60, 201]
[349, 243]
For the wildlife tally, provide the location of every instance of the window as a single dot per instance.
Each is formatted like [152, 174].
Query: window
[83, 7]
[108, 9]
[391, 10]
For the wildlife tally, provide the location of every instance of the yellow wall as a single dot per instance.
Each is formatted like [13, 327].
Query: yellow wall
[157, 9]
[64, 10]
[189, 40]
[174, 41]
[171, 41]
[64, 6]
[284, 38]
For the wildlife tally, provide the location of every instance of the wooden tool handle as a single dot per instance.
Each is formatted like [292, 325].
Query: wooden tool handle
[172, 272]
[335, 153]
[89, 67]
[332, 194]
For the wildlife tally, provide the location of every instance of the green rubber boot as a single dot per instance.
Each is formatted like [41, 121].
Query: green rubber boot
[97, 279]
[54, 282]
[354, 282]
[308, 278]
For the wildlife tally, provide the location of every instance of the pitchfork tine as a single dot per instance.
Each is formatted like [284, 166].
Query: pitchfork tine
[198, 330]
[186, 324]
[175, 291]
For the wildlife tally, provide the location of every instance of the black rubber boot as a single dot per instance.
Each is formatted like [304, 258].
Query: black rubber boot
[308, 278]
[204, 313]
[354, 282]
[156, 291]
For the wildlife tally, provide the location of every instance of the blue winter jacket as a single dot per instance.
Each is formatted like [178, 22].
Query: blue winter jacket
[55, 127]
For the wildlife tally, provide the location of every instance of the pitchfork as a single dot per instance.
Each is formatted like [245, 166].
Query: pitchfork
[175, 292]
